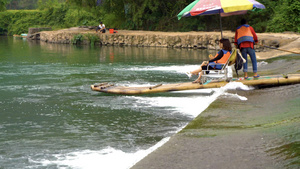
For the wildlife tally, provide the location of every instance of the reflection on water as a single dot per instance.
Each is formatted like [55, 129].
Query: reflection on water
[119, 54]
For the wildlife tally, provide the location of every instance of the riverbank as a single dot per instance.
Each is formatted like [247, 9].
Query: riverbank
[195, 40]
[261, 132]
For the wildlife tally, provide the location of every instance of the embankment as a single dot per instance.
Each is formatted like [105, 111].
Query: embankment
[195, 40]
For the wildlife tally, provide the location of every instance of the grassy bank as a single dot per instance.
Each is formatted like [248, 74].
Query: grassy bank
[18, 21]
[278, 16]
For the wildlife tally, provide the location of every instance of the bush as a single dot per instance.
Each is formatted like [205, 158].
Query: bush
[92, 38]
[18, 21]
[77, 39]
[286, 18]
[54, 16]
[113, 21]
[76, 17]
[60, 16]
[4, 21]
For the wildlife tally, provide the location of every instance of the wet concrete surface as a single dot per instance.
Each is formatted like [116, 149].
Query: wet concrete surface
[260, 132]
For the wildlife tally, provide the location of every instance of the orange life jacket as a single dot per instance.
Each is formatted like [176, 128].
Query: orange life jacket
[225, 57]
[244, 34]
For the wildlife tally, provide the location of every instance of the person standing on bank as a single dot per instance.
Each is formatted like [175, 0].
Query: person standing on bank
[101, 27]
[245, 38]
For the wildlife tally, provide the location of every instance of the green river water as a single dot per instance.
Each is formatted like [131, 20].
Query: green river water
[50, 118]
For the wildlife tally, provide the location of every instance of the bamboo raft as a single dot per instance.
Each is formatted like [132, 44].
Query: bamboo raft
[263, 81]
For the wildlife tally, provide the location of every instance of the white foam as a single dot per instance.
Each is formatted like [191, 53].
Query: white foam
[108, 158]
[175, 69]
[236, 96]
[194, 104]
[235, 86]
[262, 63]
[191, 106]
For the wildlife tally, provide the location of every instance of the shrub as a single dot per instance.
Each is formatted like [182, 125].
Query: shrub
[77, 39]
[92, 38]
[286, 18]
[18, 21]
[54, 16]
[60, 16]
[76, 17]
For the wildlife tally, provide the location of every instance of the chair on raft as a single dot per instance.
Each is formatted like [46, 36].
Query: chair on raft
[225, 73]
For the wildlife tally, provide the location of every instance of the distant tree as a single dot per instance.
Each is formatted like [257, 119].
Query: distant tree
[21, 4]
[84, 3]
[143, 14]
[286, 17]
[44, 4]
[158, 15]
[30, 4]
[2, 5]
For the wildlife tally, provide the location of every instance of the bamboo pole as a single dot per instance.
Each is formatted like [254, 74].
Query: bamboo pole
[269, 81]
[278, 49]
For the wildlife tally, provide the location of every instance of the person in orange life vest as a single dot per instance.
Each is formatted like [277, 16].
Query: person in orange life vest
[215, 62]
[245, 38]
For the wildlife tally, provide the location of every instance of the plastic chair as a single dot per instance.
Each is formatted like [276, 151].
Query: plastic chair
[225, 73]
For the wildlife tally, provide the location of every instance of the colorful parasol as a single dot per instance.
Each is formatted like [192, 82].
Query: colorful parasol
[222, 7]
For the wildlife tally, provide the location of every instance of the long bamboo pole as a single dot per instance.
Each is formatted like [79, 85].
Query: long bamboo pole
[278, 49]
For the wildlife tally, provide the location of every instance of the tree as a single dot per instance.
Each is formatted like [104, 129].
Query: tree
[144, 14]
[286, 17]
[21, 4]
[2, 5]
[83, 3]
[159, 15]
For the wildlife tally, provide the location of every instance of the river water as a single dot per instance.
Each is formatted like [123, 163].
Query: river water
[50, 118]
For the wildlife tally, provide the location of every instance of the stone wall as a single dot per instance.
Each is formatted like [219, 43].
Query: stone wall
[180, 41]
[33, 33]
[197, 40]
[138, 38]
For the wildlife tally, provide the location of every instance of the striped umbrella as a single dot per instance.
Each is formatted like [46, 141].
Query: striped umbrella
[222, 7]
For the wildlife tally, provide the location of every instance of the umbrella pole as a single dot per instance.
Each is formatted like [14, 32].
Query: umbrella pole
[221, 24]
